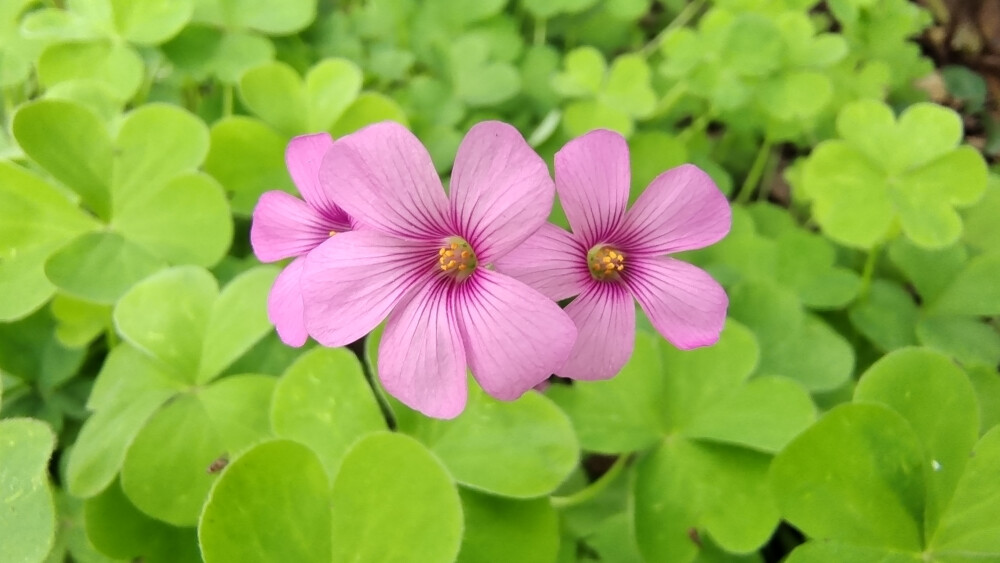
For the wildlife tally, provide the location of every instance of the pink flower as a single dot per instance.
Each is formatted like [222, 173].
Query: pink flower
[285, 226]
[613, 256]
[424, 261]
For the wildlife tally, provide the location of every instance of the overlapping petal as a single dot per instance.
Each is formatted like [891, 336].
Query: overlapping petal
[421, 357]
[384, 178]
[551, 261]
[501, 191]
[514, 336]
[592, 179]
[605, 318]
[682, 301]
[303, 157]
[352, 281]
[284, 226]
[682, 209]
[284, 305]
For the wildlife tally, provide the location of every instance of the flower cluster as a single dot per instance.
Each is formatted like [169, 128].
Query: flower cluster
[470, 279]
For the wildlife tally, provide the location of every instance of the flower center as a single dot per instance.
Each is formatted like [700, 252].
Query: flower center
[456, 258]
[605, 262]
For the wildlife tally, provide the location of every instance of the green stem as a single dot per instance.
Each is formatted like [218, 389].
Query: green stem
[540, 31]
[227, 100]
[696, 127]
[682, 19]
[597, 487]
[670, 99]
[756, 171]
[868, 272]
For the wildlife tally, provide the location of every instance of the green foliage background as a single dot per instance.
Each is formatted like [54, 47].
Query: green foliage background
[848, 413]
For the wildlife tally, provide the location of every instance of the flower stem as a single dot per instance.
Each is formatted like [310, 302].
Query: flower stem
[597, 487]
[670, 99]
[868, 271]
[540, 31]
[685, 15]
[227, 100]
[756, 171]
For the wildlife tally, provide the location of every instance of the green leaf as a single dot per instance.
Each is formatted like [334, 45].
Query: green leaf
[498, 528]
[938, 401]
[753, 45]
[30, 352]
[621, 414]
[821, 552]
[523, 448]
[323, 401]
[929, 270]
[973, 291]
[987, 384]
[982, 230]
[118, 529]
[165, 473]
[887, 316]
[886, 170]
[248, 158]
[967, 339]
[697, 378]
[851, 202]
[79, 322]
[151, 22]
[208, 52]
[765, 414]
[685, 485]
[23, 285]
[155, 143]
[183, 221]
[424, 522]
[652, 153]
[584, 74]
[274, 92]
[784, 330]
[965, 85]
[100, 266]
[165, 316]
[581, 117]
[970, 526]
[238, 320]
[270, 504]
[331, 86]
[71, 144]
[27, 521]
[115, 66]
[628, 86]
[368, 108]
[273, 17]
[857, 476]
[129, 389]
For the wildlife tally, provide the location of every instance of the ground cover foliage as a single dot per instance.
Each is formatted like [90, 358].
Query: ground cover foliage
[150, 413]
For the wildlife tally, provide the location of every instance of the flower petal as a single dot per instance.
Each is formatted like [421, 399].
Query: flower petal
[421, 359]
[303, 157]
[592, 178]
[501, 191]
[352, 281]
[551, 261]
[682, 209]
[682, 301]
[605, 321]
[514, 336]
[284, 226]
[284, 305]
[384, 178]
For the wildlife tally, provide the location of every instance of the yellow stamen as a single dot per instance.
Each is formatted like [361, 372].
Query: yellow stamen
[457, 258]
[333, 233]
[605, 263]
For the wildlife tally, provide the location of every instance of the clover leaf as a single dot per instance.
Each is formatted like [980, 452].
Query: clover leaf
[695, 409]
[155, 406]
[611, 98]
[28, 520]
[914, 426]
[885, 174]
[152, 207]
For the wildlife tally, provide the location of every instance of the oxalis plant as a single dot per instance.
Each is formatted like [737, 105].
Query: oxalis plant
[540, 281]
